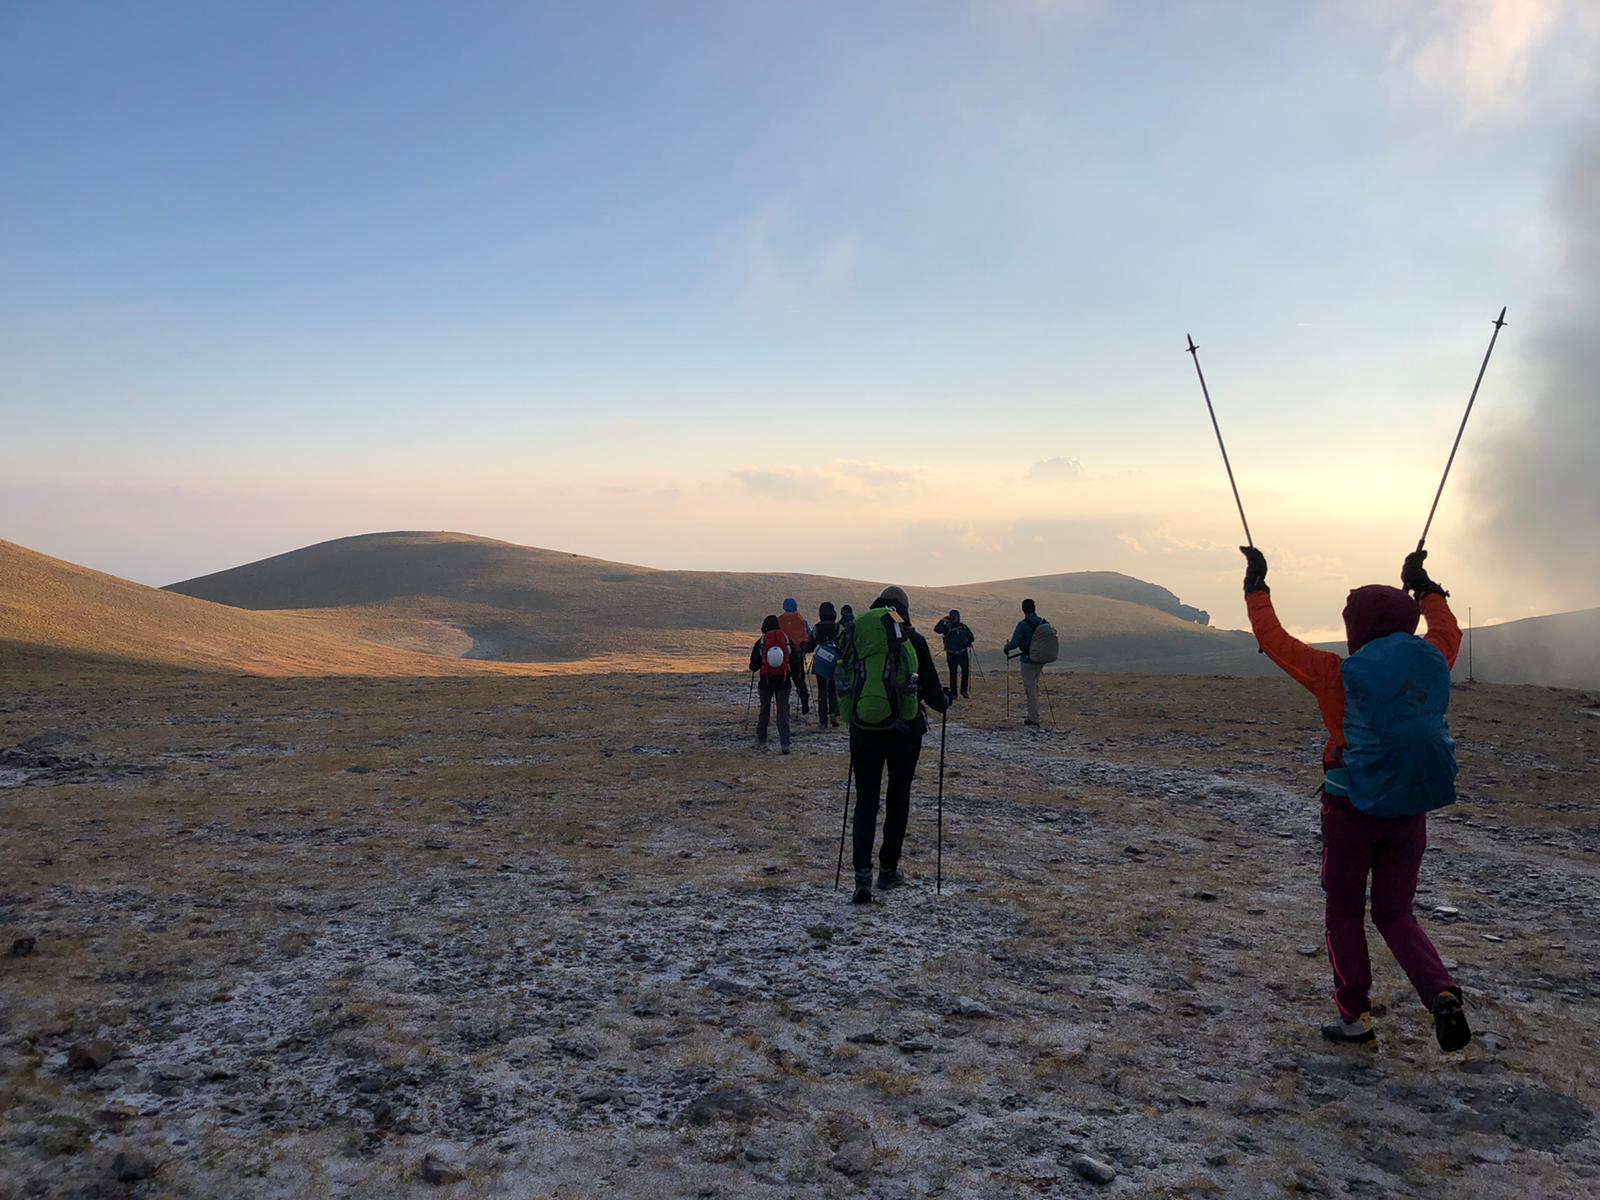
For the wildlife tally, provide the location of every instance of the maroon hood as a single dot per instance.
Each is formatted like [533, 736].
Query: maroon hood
[1376, 611]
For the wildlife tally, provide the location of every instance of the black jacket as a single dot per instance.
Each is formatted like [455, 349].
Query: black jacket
[929, 690]
[823, 632]
[957, 637]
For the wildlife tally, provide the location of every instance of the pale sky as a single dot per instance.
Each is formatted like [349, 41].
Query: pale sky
[895, 290]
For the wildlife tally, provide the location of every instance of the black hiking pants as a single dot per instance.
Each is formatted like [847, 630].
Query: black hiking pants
[827, 701]
[960, 671]
[797, 676]
[873, 750]
[774, 694]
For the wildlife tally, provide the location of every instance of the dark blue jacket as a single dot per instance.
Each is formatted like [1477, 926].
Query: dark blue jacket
[1022, 637]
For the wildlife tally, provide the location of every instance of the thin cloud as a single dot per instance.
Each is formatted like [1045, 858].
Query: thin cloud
[844, 478]
[875, 477]
[1057, 469]
[775, 260]
[1477, 53]
[784, 484]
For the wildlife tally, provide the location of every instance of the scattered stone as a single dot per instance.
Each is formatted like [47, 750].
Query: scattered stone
[823, 933]
[916, 1045]
[23, 947]
[1092, 1169]
[966, 1006]
[853, 1158]
[1492, 937]
[358, 770]
[438, 1172]
[90, 1055]
[871, 1037]
[760, 1154]
[1206, 896]
[943, 1118]
[132, 1165]
[1309, 951]
[722, 1104]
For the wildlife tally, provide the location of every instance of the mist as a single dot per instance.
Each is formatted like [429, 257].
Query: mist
[1539, 486]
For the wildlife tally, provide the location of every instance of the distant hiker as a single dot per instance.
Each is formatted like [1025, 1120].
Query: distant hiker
[1389, 760]
[886, 677]
[799, 631]
[770, 660]
[825, 653]
[1034, 639]
[958, 642]
[846, 615]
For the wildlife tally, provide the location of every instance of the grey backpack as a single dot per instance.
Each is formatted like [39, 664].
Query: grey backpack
[1045, 646]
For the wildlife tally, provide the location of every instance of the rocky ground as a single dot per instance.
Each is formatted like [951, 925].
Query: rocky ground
[577, 937]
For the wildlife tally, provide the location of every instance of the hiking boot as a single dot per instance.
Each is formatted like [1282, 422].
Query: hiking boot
[1450, 1020]
[1030, 721]
[863, 887]
[835, 722]
[1357, 1033]
[889, 878]
[785, 747]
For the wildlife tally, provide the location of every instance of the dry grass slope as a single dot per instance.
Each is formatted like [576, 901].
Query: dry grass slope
[53, 612]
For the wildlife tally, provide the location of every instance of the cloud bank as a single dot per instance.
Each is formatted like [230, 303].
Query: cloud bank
[1539, 490]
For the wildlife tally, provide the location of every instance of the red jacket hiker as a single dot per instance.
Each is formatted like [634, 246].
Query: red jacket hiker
[1355, 845]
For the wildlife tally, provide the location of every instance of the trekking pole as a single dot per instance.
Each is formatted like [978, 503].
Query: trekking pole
[938, 886]
[749, 697]
[1206, 392]
[1498, 323]
[1046, 689]
[838, 872]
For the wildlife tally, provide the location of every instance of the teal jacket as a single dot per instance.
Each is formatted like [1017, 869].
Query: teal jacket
[1022, 637]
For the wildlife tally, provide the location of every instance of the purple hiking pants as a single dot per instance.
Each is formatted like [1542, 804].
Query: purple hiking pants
[1354, 846]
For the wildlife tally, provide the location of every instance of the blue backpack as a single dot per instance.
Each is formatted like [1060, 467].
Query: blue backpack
[823, 659]
[1398, 751]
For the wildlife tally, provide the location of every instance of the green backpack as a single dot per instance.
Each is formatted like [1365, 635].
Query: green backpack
[876, 673]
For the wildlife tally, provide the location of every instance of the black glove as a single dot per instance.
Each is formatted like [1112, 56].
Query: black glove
[1255, 570]
[949, 697]
[1414, 577]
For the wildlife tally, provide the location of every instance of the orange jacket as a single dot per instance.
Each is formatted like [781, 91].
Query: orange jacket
[1318, 670]
[793, 624]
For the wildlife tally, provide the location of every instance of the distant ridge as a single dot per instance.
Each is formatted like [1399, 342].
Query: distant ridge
[524, 604]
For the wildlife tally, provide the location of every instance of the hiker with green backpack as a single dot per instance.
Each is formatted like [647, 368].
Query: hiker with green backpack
[1035, 640]
[885, 678]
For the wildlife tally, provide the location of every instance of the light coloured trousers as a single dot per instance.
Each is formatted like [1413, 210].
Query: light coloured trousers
[1030, 686]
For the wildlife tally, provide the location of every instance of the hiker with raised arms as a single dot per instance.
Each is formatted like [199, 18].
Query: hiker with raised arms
[886, 678]
[1389, 761]
[770, 661]
[798, 630]
[1034, 640]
